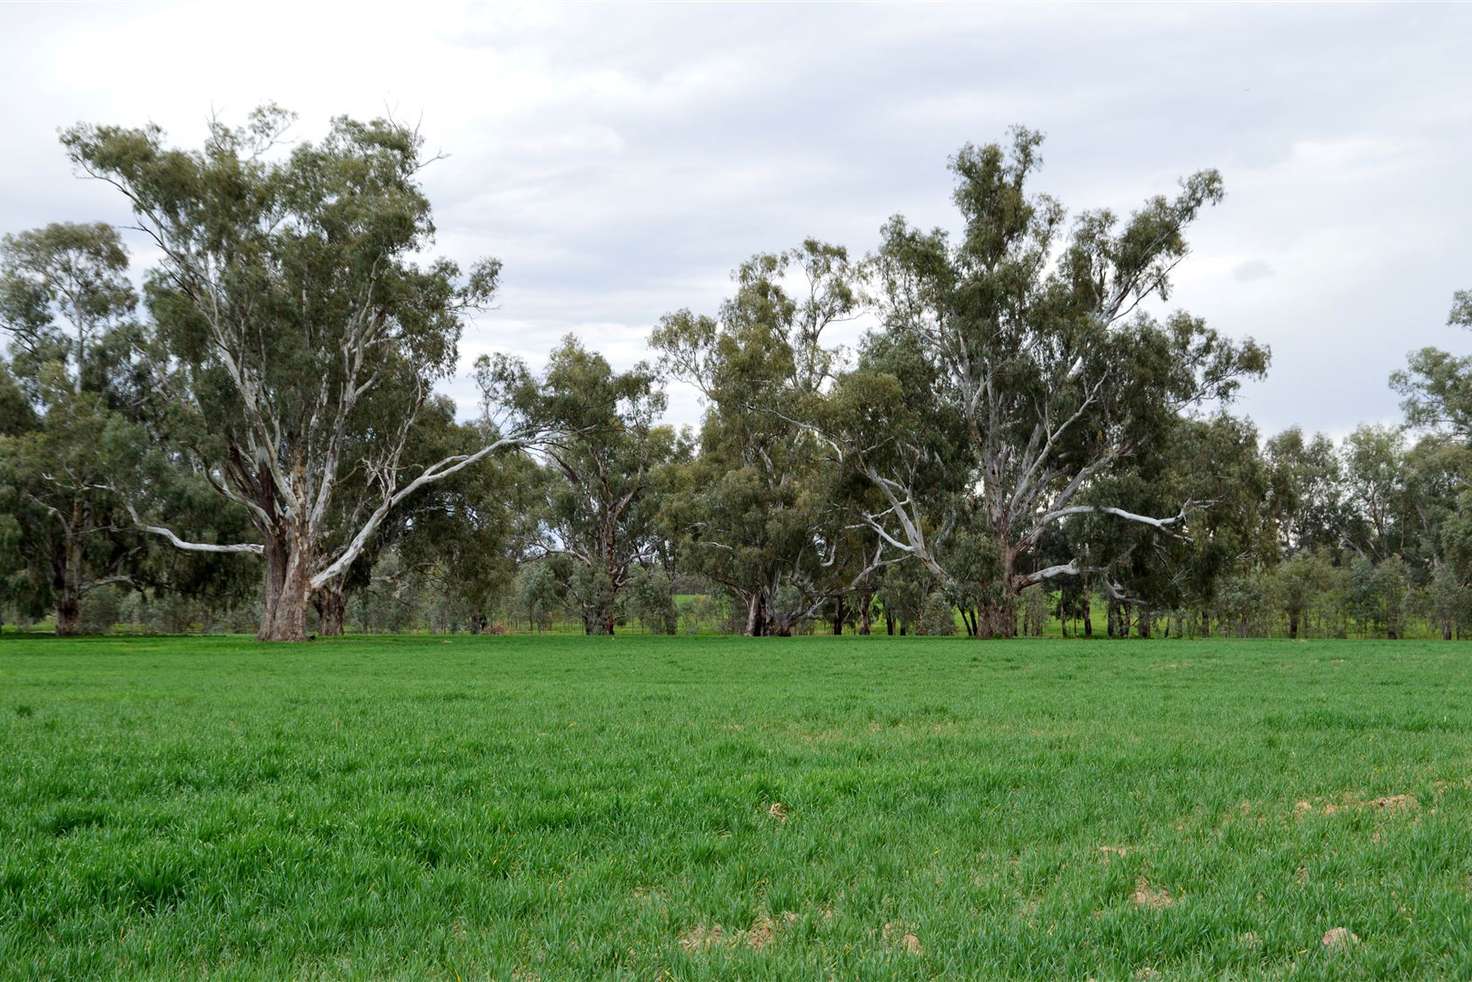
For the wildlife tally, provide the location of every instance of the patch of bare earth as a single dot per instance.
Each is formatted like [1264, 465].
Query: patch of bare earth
[1151, 897]
[763, 932]
[778, 811]
[1390, 803]
[1109, 852]
[898, 935]
[1396, 803]
[702, 937]
[1339, 937]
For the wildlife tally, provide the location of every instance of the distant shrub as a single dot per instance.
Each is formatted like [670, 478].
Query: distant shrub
[649, 598]
[938, 616]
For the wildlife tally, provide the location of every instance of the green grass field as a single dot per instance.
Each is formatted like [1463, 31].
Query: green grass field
[723, 807]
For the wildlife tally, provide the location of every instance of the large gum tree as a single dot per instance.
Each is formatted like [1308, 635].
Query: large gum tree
[294, 335]
[1015, 368]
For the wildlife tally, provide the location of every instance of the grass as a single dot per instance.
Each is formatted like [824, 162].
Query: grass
[730, 808]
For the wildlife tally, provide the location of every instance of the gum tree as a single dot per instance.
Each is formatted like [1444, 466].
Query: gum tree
[66, 304]
[758, 511]
[599, 519]
[1437, 385]
[295, 334]
[1031, 371]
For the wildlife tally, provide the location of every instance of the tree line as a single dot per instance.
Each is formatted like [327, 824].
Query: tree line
[1024, 431]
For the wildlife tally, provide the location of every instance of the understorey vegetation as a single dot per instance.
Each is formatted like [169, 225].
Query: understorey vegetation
[1029, 439]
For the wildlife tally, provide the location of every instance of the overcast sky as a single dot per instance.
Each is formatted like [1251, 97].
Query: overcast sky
[620, 160]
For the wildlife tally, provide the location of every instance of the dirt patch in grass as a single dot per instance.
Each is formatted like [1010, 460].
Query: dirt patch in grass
[1339, 937]
[763, 931]
[1390, 803]
[778, 811]
[897, 934]
[1151, 897]
[701, 937]
[1396, 803]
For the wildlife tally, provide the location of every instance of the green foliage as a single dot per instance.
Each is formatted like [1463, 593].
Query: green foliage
[1437, 385]
[539, 595]
[1447, 602]
[903, 591]
[760, 510]
[1020, 423]
[651, 601]
[600, 516]
[66, 417]
[1035, 602]
[937, 616]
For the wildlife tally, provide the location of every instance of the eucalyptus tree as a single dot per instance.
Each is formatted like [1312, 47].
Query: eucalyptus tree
[600, 516]
[1436, 384]
[1297, 582]
[24, 585]
[1217, 461]
[1375, 473]
[295, 335]
[1436, 483]
[757, 514]
[1032, 349]
[1305, 498]
[66, 304]
[470, 533]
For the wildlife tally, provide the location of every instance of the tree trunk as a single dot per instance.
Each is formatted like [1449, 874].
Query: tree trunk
[865, 613]
[838, 615]
[68, 613]
[998, 618]
[287, 590]
[1144, 622]
[1088, 606]
[1205, 623]
[888, 623]
[66, 582]
[332, 606]
[1293, 625]
[755, 616]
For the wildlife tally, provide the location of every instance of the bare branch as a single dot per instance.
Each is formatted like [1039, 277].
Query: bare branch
[239, 547]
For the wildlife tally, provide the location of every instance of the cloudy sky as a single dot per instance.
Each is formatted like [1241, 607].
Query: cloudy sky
[622, 159]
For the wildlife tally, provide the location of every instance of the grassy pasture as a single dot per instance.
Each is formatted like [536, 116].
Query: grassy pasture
[733, 808]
